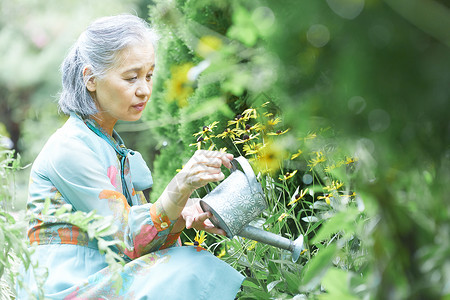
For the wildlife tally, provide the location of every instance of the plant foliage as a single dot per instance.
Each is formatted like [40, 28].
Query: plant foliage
[361, 87]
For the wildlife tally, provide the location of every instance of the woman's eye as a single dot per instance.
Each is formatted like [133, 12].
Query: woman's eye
[134, 78]
[149, 76]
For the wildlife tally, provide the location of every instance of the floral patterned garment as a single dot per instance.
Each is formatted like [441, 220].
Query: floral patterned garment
[83, 166]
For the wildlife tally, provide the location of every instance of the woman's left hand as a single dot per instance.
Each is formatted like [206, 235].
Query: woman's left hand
[194, 217]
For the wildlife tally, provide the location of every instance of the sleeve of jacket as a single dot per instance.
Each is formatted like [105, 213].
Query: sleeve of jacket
[80, 174]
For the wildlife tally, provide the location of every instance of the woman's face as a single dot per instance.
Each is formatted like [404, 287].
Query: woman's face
[124, 91]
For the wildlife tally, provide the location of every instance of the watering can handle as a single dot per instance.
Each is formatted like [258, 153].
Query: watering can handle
[247, 170]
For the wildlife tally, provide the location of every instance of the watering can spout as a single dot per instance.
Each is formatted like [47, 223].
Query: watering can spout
[265, 237]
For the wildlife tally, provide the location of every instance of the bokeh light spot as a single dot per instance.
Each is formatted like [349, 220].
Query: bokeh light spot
[379, 120]
[356, 104]
[318, 35]
[347, 9]
[263, 18]
[307, 179]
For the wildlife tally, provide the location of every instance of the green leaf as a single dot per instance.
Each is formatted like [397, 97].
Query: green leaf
[310, 229]
[316, 268]
[273, 218]
[8, 217]
[272, 284]
[293, 281]
[16, 162]
[251, 282]
[335, 282]
[253, 287]
[272, 268]
[310, 219]
[343, 221]
[282, 186]
[243, 28]
[260, 295]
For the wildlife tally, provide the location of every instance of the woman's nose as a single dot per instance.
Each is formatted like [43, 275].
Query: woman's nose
[144, 90]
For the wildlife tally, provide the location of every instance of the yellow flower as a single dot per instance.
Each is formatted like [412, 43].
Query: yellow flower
[282, 216]
[310, 136]
[295, 155]
[278, 132]
[335, 185]
[245, 138]
[238, 120]
[250, 113]
[222, 252]
[252, 245]
[223, 150]
[248, 128]
[198, 240]
[179, 88]
[273, 122]
[227, 133]
[265, 104]
[350, 160]
[348, 196]
[326, 197]
[252, 148]
[328, 169]
[340, 163]
[297, 196]
[200, 140]
[269, 158]
[207, 129]
[208, 44]
[315, 161]
[287, 176]
[303, 251]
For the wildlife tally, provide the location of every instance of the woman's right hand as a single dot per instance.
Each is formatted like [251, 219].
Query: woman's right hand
[203, 167]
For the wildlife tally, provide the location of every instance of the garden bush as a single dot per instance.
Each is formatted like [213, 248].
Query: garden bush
[361, 87]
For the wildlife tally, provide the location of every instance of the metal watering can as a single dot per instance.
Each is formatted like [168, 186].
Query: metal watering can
[238, 200]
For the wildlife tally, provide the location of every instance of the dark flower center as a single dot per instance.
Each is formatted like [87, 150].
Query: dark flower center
[278, 131]
[297, 196]
[245, 137]
[196, 243]
[248, 127]
[238, 117]
[200, 139]
[205, 128]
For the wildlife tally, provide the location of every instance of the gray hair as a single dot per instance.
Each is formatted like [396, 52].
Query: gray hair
[97, 47]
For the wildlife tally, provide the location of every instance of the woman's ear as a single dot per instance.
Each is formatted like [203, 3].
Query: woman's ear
[89, 79]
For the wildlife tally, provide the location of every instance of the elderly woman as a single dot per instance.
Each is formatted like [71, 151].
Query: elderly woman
[107, 76]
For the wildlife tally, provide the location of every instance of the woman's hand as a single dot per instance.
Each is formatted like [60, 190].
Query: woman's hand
[203, 167]
[194, 217]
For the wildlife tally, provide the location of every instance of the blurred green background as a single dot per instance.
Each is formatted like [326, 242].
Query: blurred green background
[375, 72]
[34, 38]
